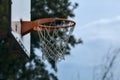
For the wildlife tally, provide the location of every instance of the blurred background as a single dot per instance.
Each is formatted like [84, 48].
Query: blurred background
[93, 48]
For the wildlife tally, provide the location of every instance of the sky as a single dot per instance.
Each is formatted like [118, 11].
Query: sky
[97, 24]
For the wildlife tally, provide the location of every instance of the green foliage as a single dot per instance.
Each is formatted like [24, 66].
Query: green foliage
[52, 9]
[55, 8]
[4, 9]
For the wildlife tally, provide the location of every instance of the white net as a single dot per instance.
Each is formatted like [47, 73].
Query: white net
[54, 38]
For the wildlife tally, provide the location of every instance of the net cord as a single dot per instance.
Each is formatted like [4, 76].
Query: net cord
[46, 49]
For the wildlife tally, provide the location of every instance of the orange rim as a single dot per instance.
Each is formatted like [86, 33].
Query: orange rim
[41, 23]
[28, 26]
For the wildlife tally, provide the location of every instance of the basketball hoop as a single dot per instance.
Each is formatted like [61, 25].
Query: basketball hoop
[54, 34]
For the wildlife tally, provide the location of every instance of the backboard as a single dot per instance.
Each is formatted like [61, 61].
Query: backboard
[20, 10]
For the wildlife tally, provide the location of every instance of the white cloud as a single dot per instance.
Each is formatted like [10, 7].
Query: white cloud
[101, 21]
[103, 30]
[97, 36]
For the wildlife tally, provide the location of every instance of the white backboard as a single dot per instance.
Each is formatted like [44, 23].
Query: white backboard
[20, 10]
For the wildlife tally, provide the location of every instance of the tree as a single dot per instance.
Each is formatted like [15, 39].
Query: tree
[109, 68]
[52, 9]
[19, 68]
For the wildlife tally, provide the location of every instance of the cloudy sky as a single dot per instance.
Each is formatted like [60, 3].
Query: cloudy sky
[98, 25]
